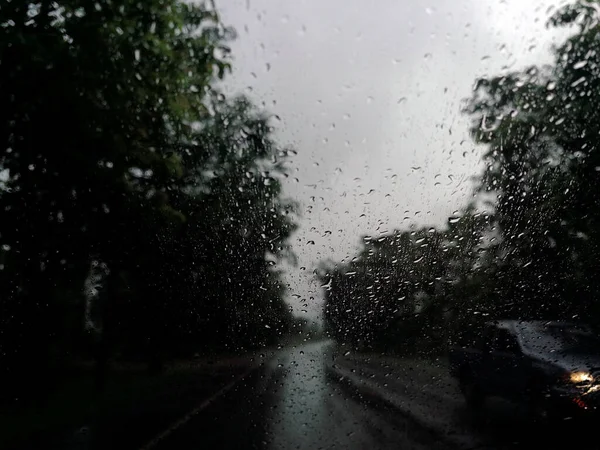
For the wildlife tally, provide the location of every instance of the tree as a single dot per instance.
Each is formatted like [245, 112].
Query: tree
[120, 152]
[535, 252]
[538, 126]
[401, 288]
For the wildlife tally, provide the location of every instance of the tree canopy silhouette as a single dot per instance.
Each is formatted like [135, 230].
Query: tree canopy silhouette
[120, 154]
[538, 127]
[528, 246]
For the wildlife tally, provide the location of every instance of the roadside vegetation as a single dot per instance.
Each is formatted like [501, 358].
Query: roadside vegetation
[527, 246]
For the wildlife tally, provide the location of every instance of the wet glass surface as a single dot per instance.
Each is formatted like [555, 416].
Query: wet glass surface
[299, 225]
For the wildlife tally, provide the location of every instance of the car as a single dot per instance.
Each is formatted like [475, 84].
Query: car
[554, 367]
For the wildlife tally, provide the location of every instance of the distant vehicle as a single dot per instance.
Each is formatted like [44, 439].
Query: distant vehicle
[553, 366]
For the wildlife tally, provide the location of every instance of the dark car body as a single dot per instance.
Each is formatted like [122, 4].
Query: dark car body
[553, 366]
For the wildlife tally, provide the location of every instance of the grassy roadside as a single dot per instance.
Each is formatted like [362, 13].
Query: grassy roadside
[133, 407]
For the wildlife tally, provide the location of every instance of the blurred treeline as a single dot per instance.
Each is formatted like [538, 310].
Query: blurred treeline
[527, 246]
[141, 209]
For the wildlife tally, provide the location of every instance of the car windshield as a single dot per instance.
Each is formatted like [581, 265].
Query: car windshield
[298, 224]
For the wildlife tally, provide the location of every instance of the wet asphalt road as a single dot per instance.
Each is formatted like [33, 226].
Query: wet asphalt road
[292, 403]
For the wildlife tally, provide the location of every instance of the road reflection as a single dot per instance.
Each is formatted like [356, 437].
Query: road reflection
[299, 419]
[294, 402]
[311, 410]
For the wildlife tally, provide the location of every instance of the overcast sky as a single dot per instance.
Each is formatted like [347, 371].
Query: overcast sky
[369, 94]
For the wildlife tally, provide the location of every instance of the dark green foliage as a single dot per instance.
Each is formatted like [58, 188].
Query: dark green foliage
[402, 288]
[117, 150]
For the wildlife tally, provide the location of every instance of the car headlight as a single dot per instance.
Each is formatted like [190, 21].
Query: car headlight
[581, 377]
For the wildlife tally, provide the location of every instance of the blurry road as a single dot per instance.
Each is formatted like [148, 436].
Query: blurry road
[292, 403]
[301, 398]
